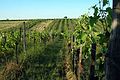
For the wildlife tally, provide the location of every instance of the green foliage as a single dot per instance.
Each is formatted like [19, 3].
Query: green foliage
[94, 29]
[43, 57]
[47, 51]
[105, 2]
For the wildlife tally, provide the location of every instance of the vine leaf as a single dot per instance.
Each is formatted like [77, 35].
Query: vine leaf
[109, 16]
[83, 36]
[109, 10]
[105, 2]
[92, 21]
[96, 11]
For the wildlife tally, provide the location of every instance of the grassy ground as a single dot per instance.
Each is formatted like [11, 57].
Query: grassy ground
[45, 61]
[9, 24]
[42, 25]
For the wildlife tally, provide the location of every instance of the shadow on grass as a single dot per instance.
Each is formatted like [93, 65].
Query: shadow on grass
[46, 64]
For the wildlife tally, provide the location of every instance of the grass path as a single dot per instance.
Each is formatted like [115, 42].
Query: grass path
[42, 25]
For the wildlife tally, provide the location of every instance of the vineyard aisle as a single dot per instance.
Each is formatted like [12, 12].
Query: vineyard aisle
[42, 25]
[46, 51]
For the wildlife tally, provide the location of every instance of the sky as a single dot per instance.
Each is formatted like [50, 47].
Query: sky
[36, 9]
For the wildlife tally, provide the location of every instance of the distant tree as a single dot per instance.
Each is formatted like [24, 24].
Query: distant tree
[65, 17]
[7, 19]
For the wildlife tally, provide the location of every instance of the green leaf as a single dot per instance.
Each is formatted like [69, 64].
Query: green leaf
[96, 11]
[109, 10]
[105, 2]
[92, 21]
[99, 55]
[83, 36]
[89, 27]
[102, 39]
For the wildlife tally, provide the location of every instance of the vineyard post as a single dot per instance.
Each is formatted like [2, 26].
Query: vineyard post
[24, 37]
[73, 56]
[73, 47]
[16, 52]
[92, 66]
[31, 38]
[78, 65]
[20, 33]
[76, 59]
[113, 54]
[34, 41]
[39, 38]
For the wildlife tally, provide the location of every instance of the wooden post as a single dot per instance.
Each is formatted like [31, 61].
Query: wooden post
[31, 35]
[73, 55]
[16, 52]
[78, 63]
[20, 34]
[34, 41]
[113, 54]
[24, 37]
[92, 66]
[39, 38]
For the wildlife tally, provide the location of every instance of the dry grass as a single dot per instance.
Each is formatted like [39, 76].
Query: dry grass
[9, 24]
[11, 71]
[41, 26]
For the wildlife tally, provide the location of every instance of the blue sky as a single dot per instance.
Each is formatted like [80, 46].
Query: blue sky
[32, 9]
